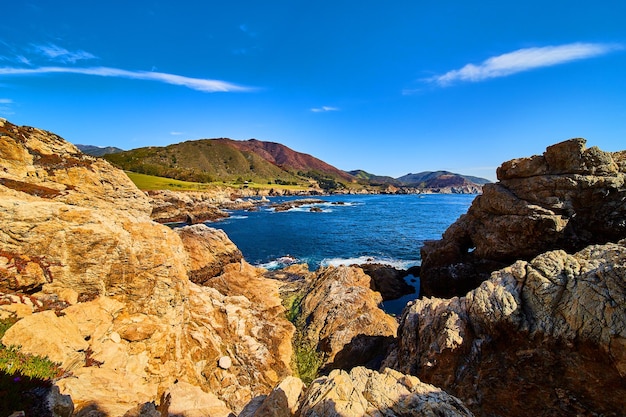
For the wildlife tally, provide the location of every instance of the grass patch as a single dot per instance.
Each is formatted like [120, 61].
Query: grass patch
[25, 380]
[151, 183]
[306, 359]
[14, 362]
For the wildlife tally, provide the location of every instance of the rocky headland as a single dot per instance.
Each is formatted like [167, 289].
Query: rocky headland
[145, 320]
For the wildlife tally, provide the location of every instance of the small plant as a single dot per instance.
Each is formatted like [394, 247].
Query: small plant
[306, 359]
[14, 362]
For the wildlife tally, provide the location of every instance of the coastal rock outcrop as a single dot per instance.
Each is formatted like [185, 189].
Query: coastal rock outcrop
[388, 281]
[109, 289]
[543, 337]
[185, 207]
[364, 392]
[567, 198]
[209, 250]
[358, 335]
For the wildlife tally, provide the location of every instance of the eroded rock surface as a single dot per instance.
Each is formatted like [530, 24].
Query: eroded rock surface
[364, 392]
[543, 337]
[106, 290]
[567, 198]
[188, 207]
[344, 320]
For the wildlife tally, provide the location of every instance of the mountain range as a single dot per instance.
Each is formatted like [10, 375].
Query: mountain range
[222, 159]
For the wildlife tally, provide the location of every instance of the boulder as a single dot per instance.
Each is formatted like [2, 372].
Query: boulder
[567, 198]
[209, 250]
[346, 337]
[185, 207]
[541, 337]
[364, 392]
[388, 281]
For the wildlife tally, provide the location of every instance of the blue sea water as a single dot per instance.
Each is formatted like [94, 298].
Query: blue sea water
[351, 229]
[365, 228]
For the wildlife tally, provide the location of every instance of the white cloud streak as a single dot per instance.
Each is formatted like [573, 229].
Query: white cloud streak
[6, 101]
[198, 84]
[59, 54]
[523, 60]
[324, 109]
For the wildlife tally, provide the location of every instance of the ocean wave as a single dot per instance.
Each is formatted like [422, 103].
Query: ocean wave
[280, 263]
[362, 260]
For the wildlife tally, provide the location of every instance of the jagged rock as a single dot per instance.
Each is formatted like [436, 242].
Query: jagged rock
[545, 337]
[189, 207]
[567, 198]
[364, 392]
[357, 335]
[190, 401]
[388, 281]
[283, 401]
[74, 230]
[209, 249]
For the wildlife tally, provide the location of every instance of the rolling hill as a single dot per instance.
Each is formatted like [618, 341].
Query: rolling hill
[208, 160]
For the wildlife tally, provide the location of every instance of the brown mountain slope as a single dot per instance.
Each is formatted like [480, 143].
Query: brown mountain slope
[286, 157]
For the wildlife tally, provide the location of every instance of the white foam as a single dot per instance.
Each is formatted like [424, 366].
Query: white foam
[362, 260]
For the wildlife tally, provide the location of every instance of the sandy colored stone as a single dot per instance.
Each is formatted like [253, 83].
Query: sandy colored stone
[346, 336]
[283, 401]
[187, 400]
[210, 251]
[45, 334]
[364, 392]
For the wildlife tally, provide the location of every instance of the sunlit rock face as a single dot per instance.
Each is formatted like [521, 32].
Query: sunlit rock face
[106, 291]
[567, 198]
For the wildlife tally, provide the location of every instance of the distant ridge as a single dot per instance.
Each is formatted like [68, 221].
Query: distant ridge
[436, 179]
[424, 180]
[98, 150]
[256, 161]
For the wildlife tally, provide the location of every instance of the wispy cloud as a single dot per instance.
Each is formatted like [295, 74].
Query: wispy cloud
[198, 84]
[523, 60]
[58, 54]
[5, 107]
[5, 101]
[324, 109]
[177, 133]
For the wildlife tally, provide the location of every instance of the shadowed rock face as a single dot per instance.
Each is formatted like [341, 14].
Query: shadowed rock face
[344, 320]
[545, 337]
[567, 198]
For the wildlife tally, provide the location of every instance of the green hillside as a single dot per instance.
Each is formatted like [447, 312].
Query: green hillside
[203, 160]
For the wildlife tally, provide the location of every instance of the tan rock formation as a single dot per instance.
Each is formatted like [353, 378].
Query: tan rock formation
[210, 251]
[363, 392]
[190, 207]
[567, 198]
[545, 337]
[343, 318]
[74, 230]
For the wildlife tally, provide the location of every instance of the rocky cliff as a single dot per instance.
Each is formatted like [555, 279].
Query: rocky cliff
[105, 291]
[150, 321]
[567, 198]
[544, 335]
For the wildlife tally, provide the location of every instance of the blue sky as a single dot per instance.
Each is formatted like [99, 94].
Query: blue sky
[390, 87]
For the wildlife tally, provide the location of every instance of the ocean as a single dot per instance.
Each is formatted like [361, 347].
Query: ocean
[349, 229]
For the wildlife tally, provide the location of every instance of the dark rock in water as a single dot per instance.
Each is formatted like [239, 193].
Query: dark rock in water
[567, 198]
[288, 205]
[315, 210]
[388, 281]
